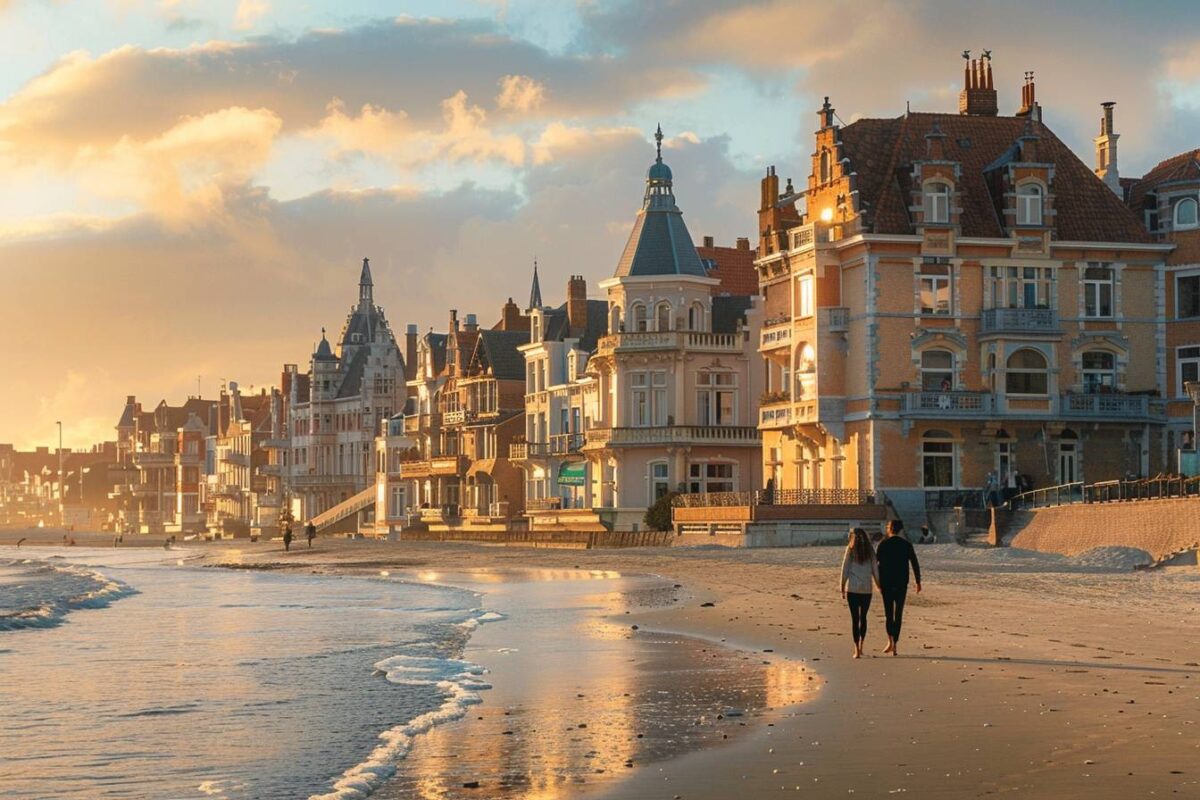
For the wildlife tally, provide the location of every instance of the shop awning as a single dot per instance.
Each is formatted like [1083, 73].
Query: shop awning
[573, 473]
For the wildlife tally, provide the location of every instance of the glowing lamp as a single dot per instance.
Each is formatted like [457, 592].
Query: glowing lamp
[826, 215]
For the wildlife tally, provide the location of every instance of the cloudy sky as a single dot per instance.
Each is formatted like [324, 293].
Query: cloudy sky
[189, 186]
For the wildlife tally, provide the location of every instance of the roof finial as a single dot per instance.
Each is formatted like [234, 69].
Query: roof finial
[658, 137]
[322, 333]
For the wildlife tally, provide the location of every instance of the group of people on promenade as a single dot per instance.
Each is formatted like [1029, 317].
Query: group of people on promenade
[310, 533]
[866, 568]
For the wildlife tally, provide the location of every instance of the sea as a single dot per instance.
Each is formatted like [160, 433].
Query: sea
[129, 677]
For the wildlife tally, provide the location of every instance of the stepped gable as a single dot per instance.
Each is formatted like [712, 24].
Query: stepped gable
[881, 152]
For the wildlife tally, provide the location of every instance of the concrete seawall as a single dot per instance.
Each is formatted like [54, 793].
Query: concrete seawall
[1160, 527]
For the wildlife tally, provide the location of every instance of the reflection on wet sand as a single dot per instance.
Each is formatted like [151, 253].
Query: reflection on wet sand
[581, 700]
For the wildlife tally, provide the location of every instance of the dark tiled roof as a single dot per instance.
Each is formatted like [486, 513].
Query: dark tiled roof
[659, 244]
[1183, 167]
[557, 329]
[882, 151]
[498, 350]
[352, 381]
[733, 266]
[728, 311]
[437, 350]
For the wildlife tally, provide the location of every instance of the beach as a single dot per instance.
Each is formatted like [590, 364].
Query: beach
[1020, 673]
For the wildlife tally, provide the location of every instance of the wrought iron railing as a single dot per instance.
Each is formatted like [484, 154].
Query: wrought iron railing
[955, 498]
[1158, 488]
[1019, 319]
[777, 497]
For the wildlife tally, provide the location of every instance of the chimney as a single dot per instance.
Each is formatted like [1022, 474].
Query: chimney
[825, 114]
[978, 97]
[1106, 151]
[935, 142]
[708, 241]
[510, 317]
[770, 190]
[743, 243]
[1029, 106]
[472, 324]
[453, 321]
[577, 312]
[410, 352]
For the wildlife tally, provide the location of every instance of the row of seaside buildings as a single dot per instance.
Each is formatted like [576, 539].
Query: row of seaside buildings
[947, 302]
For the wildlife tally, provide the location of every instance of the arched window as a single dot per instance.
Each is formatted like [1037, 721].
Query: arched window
[937, 460]
[1029, 204]
[806, 360]
[825, 172]
[937, 370]
[615, 322]
[662, 317]
[1026, 373]
[937, 202]
[1099, 371]
[696, 317]
[637, 314]
[806, 369]
[1186, 213]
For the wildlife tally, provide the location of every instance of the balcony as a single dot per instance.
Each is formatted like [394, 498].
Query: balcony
[776, 334]
[674, 434]
[837, 319]
[949, 404]
[806, 237]
[1020, 320]
[457, 417]
[433, 467]
[670, 340]
[271, 469]
[275, 444]
[1110, 405]
[153, 459]
[230, 457]
[775, 415]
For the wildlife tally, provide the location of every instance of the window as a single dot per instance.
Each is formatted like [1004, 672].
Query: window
[615, 322]
[1188, 361]
[1099, 371]
[937, 370]
[707, 477]
[1186, 213]
[660, 482]
[715, 398]
[1187, 296]
[825, 171]
[1029, 205]
[806, 297]
[839, 465]
[1098, 291]
[937, 460]
[637, 313]
[1027, 373]
[648, 396]
[396, 502]
[1022, 287]
[662, 317]
[937, 203]
[696, 317]
[935, 289]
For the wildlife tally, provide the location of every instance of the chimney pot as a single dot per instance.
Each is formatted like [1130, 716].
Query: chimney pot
[708, 241]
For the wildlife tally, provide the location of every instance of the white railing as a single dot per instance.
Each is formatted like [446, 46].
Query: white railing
[1106, 405]
[974, 403]
[671, 340]
[1019, 319]
[777, 335]
[671, 434]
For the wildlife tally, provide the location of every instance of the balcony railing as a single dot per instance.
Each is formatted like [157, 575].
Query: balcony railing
[669, 434]
[544, 504]
[949, 403]
[777, 497]
[814, 234]
[1106, 405]
[837, 319]
[778, 415]
[672, 340]
[1035, 320]
[778, 335]
[441, 465]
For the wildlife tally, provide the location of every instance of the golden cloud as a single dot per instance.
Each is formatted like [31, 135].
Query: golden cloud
[520, 94]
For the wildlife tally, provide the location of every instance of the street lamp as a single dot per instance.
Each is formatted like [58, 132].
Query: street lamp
[62, 509]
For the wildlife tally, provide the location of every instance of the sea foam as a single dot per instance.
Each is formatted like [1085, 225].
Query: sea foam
[458, 681]
[48, 592]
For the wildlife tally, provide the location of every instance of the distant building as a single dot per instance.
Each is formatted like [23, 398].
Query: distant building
[242, 490]
[30, 489]
[336, 409]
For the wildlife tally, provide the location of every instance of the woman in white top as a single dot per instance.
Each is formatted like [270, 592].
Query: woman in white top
[859, 573]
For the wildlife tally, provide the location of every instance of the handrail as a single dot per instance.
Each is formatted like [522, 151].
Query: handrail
[1115, 491]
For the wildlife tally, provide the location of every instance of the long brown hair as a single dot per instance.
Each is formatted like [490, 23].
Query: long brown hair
[860, 546]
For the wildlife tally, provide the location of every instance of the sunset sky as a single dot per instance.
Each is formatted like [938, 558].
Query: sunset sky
[189, 186]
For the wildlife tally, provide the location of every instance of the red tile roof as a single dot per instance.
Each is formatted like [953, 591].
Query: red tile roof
[1183, 167]
[734, 267]
[882, 151]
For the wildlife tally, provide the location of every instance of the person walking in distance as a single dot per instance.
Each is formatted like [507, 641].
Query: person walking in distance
[310, 533]
[859, 572]
[894, 554]
[287, 537]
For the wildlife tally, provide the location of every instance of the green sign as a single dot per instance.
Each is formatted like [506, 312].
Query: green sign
[572, 474]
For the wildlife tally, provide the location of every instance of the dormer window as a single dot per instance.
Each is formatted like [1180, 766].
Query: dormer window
[937, 203]
[1029, 205]
[1186, 212]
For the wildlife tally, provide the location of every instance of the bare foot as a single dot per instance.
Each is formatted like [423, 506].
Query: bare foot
[894, 650]
[891, 647]
[857, 653]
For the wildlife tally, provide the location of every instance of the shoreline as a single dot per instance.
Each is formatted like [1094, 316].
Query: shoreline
[1019, 672]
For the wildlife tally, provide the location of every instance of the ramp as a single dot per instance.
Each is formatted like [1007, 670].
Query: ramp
[347, 508]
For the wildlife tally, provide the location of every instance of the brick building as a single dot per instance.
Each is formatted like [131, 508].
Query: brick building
[956, 295]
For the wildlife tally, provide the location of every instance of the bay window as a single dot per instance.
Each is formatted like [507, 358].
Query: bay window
[1026, 373]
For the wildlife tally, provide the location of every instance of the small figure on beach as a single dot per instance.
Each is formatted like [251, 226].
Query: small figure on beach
[287, 537]
[310, 533]
[859, 573]
[894, 554]
[991, 489]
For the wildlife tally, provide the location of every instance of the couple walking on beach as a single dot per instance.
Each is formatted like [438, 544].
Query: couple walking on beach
[863, 568]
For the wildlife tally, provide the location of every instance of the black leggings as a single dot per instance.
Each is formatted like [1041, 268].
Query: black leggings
[893, 608]
[859, 604]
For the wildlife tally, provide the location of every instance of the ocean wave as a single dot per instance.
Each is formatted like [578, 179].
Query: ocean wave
[458, 681]
[55, 590]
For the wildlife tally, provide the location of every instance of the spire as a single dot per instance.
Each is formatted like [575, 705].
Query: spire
[658, 137]
[365, 285]
[535, 291]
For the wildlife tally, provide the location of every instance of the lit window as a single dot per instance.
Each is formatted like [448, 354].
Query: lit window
[1027, 373]
[806, 297]
[935, 289]
[1098, 292]
[937, 203]
[1029, 205]
[937, 460]
[1099, 371]
[1186, 213]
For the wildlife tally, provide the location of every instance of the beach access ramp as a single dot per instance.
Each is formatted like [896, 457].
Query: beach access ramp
[349, 507]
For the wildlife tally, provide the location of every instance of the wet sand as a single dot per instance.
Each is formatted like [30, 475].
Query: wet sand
[1019, 673]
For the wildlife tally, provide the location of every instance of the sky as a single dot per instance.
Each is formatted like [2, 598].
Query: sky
[189, 186]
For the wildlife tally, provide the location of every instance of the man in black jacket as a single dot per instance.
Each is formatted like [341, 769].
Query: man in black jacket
[894, 554]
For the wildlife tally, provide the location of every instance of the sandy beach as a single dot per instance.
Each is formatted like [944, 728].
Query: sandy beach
[1020, 673]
